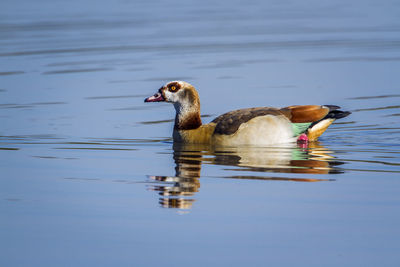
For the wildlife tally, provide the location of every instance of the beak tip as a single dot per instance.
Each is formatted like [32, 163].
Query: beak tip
[155, 98]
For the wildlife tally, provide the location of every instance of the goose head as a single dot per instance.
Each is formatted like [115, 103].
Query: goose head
[175, 92]
[185, 99]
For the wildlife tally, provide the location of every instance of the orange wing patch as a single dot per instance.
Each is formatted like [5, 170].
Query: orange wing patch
[305, 113]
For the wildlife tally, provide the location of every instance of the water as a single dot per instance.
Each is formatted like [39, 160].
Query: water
[89, 173]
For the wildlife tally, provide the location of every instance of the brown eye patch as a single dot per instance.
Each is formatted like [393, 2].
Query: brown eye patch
[174, 87]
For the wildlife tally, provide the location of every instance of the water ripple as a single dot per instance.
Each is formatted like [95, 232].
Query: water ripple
[6, 73]
[376, 44]
[113, 97]
[30, 105]
[76, 71]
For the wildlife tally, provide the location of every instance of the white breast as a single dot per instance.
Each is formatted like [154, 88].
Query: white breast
[263, 130]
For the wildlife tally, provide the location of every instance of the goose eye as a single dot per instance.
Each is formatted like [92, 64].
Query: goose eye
[172, 88]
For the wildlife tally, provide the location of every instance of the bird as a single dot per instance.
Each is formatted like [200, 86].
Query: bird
[258, 126]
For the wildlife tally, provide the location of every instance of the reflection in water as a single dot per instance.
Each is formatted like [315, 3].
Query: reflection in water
[178, 191]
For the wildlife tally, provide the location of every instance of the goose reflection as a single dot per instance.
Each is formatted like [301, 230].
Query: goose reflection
[178, 191]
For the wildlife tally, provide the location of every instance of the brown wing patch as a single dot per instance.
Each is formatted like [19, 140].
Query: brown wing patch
[230, 122]
[173, 87]
[306, 113]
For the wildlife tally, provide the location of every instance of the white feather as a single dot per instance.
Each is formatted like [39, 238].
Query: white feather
[263, 130]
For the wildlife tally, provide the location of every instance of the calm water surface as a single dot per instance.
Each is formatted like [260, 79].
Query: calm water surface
[89, 174]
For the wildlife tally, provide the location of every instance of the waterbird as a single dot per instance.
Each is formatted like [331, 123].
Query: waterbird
[260, 126]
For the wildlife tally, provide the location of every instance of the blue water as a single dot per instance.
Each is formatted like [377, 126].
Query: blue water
[89, 174]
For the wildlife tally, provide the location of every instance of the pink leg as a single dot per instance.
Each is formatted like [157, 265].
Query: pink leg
[302, 140]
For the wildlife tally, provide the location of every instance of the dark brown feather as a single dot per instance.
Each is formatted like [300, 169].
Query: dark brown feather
[188, 123]
[230, 122]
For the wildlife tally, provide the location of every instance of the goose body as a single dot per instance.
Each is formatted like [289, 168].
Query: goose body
[252, 126]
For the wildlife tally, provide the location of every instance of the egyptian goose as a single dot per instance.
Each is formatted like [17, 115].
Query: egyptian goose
[252, 126]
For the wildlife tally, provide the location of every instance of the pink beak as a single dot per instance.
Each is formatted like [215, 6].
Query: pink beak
[157, 97]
